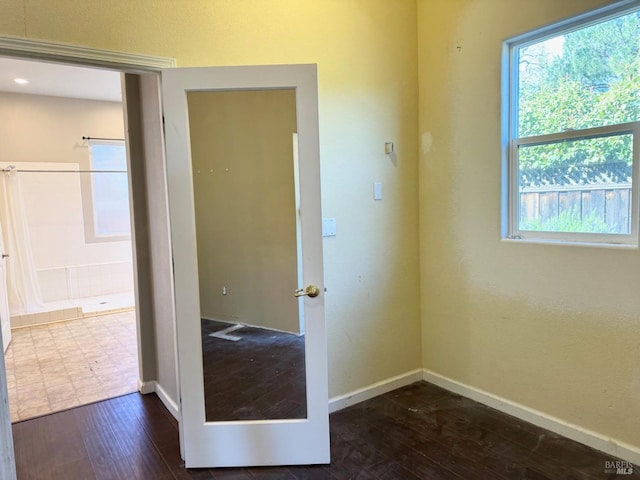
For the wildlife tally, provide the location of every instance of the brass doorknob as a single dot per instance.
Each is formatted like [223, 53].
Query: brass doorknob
[310, 291]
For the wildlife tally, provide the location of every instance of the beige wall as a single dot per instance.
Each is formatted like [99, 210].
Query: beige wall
[366, 53]
[156, 319]
[39, 128]
[553, 328]
[242, 151]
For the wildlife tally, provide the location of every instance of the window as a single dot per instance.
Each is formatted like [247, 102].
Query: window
[109, 218]
[572, 131]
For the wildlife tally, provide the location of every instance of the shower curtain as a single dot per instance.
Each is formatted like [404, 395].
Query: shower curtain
[22, 280]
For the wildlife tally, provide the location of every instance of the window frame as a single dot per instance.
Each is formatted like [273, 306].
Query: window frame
[510, 142]
[89, 204]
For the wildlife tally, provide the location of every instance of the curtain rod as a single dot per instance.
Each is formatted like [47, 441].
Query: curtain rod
[102, 138]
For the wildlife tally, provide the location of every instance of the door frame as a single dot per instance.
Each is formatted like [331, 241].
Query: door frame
[37, 50]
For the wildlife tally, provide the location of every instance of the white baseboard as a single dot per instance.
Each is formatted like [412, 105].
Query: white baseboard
[146, 387]
[168, 402]
[362, 394]
[574, 432]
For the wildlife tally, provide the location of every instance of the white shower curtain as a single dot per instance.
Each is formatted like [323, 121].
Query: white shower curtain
[22, 279]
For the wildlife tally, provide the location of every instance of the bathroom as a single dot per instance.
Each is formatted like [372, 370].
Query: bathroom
[64, 235]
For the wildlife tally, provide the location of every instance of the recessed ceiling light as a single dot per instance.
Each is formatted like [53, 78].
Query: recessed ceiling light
[21, 81]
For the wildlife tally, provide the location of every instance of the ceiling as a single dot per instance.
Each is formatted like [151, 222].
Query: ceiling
[59, 80]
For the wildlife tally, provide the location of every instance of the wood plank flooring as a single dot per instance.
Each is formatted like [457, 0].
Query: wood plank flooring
[417, 432]
[261, 376]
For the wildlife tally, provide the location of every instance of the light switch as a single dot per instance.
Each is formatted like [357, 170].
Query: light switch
[328, 227]
[377, 191]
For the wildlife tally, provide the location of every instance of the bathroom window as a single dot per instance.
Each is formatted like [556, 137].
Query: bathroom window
[572, 130]
[108, 218]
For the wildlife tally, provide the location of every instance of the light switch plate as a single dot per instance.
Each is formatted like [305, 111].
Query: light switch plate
[377, 191]
[328, 227]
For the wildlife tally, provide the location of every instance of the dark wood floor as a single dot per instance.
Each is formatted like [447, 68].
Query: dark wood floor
[417, 432]
[261, 376]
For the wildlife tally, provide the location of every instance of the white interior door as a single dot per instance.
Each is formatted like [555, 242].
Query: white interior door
[189, 95]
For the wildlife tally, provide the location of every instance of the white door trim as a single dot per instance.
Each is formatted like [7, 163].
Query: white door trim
[85, 56]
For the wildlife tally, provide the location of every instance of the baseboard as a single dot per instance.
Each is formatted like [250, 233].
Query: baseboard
[146, 387]
[574, 432]
[231, 322]
[167, 401]
[362, 394]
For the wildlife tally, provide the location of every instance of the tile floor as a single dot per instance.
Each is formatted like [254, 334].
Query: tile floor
[62, 365]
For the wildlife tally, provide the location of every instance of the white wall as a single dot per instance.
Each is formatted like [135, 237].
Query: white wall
[45, 133]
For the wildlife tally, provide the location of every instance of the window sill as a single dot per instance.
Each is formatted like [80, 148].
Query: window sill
[568, 243]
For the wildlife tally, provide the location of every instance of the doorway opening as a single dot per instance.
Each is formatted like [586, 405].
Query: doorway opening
[67, 231]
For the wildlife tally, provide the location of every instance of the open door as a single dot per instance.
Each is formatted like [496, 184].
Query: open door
[247, 245]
